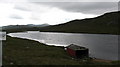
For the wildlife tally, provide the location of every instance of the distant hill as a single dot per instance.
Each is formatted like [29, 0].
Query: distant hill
[20, 28]
[104, 24]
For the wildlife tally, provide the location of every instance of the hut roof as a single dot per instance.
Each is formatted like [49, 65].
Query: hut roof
[76, 47]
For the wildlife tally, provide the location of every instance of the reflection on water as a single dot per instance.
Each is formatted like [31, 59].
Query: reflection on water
[100, 45]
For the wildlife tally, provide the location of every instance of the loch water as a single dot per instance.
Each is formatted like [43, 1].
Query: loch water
[102, 46]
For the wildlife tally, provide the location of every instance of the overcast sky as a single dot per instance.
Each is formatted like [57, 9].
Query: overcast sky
[53, 12]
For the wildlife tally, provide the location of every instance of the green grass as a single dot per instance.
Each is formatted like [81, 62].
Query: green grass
[18, 51]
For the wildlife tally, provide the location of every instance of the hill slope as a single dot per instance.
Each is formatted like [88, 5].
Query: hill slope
[104, 24]
[20, 28]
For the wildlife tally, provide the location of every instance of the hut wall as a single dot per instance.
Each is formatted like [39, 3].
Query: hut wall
[71, 52]
[82, 53]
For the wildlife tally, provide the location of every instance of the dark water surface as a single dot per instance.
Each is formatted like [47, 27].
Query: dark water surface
[101, 46]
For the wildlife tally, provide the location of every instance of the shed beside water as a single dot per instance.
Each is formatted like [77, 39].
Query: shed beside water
[77, 51]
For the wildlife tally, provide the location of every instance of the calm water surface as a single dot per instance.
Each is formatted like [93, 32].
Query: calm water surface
[100, 45]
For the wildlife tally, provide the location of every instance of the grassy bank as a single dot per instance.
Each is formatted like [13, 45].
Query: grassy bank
[18, 51]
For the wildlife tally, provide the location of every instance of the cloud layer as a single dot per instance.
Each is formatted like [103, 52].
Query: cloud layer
[84, 7]
[59, 1]
[52, 12]
[15, 16]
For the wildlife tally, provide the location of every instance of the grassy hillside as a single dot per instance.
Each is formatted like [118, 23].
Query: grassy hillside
[18, 51]
[20, 28]
[105, 24]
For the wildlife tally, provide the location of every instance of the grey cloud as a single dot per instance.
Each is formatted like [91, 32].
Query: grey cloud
[17, 1]
[21, 8]
[15, 16]
[84, 7]
[119, 6]
[73, 0]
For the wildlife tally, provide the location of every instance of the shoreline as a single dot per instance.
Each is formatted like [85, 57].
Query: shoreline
[63, 46]
[68, 32]
[24, 51]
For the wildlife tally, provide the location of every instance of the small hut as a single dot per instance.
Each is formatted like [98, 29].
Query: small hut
[77, 51]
